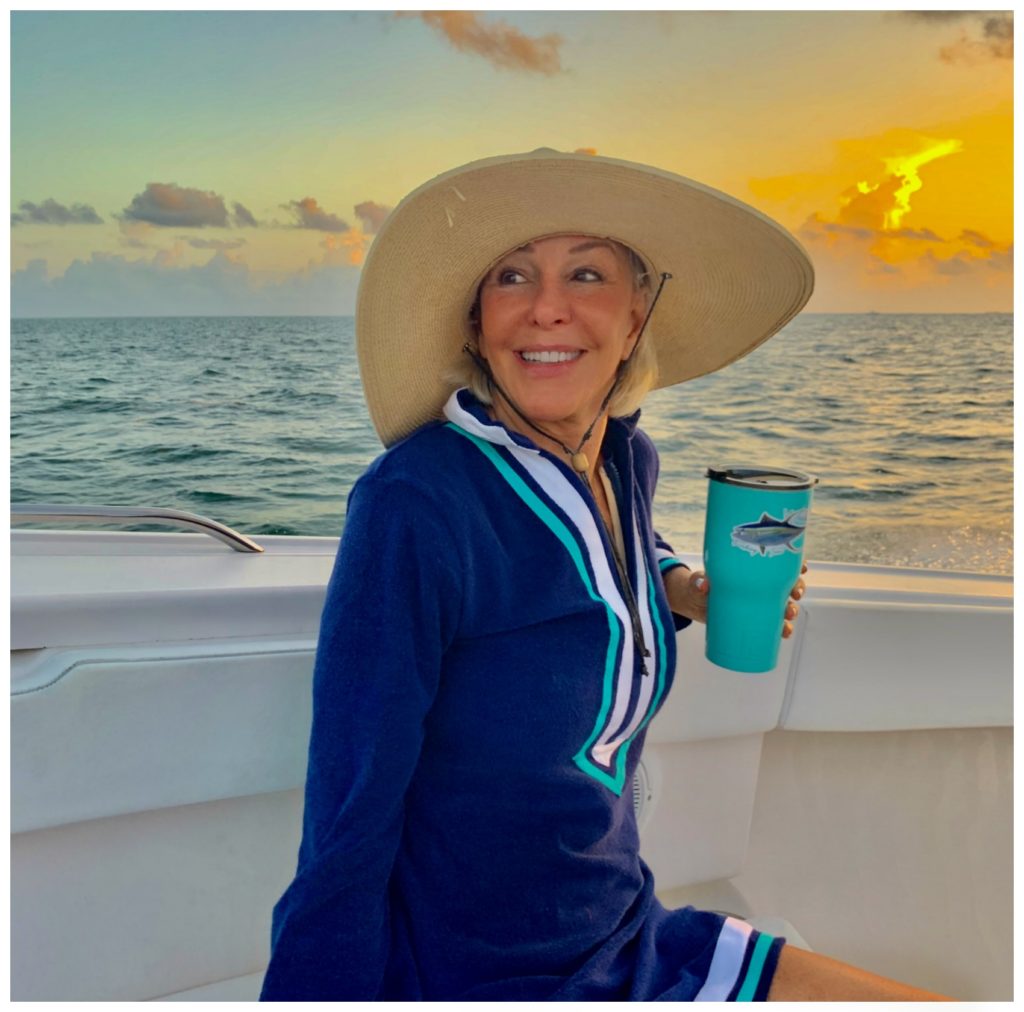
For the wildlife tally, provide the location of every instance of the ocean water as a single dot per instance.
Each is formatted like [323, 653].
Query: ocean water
[259, 423]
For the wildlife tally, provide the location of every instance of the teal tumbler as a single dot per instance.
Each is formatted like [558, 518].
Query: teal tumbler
[753, 547]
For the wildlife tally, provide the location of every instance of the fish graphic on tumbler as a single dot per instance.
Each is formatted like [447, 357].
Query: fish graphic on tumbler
[753, 548]
[770, 536]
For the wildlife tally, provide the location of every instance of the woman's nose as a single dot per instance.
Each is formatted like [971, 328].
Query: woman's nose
[551, 304]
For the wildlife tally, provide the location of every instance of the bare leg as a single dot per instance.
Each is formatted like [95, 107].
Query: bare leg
[808, 976]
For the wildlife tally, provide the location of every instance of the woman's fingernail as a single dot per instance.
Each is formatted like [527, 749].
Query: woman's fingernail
[699, 582]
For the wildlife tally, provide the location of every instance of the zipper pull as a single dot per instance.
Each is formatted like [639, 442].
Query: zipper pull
[638, 639]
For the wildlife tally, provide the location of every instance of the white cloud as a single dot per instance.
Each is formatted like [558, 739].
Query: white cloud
[111, 285]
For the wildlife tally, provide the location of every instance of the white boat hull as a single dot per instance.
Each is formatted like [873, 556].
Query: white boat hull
[160, 713]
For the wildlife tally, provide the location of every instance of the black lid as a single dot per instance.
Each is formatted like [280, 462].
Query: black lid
[779, 479]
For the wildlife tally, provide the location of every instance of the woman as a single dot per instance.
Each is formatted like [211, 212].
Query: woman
[498, 630]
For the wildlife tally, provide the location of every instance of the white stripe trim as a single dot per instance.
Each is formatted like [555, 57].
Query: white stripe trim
[493, 433]
[557, 487]
[727, 961]
[606, 744]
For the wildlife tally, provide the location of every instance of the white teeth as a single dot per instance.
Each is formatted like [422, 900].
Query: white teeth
[551, 356]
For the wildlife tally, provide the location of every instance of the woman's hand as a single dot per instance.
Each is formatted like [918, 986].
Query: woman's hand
[688, 596]
[792, 610]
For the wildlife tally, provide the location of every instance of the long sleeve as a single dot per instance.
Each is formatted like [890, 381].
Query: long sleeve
[666, 555]
[391, 609]
[667, 560]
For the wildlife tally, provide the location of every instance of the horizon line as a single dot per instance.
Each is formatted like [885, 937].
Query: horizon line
[351, 316]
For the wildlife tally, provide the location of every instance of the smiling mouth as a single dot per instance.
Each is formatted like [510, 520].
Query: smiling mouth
[544, 357]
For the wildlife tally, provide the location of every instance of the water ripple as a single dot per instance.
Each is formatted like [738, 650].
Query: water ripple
[260, 422]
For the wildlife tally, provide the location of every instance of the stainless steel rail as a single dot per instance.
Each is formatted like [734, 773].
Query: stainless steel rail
[43, 513]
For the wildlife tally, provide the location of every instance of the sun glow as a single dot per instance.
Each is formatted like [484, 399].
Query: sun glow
[905, 168]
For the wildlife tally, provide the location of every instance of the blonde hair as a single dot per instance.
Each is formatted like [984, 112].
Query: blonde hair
[637, 378]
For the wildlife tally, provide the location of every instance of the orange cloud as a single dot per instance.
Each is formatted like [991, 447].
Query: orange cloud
[884, 223]
[372, 214]
[904, 245]
[504, 46]
[912, 259]
[346, 247]
[867, 227]
[865, 236]
[904, 168]
[166, 204]
[309, 214]
[881, 202]
[867, 206]
[585, 151]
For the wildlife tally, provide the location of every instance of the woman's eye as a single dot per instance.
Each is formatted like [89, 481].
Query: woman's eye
[587, 274]
[508, 276]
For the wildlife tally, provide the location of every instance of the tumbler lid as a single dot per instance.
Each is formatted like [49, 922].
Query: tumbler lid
[779, 479]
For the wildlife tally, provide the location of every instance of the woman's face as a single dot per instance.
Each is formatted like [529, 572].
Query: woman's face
[557, 316]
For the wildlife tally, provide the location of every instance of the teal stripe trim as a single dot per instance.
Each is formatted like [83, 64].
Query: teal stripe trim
[666, 564]
[659, 691]
[562, 533]
[753, 977]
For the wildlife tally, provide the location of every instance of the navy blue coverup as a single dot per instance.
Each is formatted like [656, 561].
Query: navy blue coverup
[480, 704]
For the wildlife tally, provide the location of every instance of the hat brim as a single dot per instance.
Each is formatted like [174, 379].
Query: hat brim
[737, 276]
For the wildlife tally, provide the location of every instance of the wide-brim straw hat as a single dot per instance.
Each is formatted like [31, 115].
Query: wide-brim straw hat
[737, 276]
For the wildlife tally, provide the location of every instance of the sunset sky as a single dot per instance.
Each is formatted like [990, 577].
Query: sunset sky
[240, 163]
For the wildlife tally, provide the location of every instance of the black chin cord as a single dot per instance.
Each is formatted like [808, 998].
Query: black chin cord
[579, 460]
